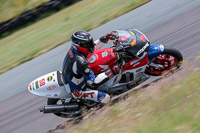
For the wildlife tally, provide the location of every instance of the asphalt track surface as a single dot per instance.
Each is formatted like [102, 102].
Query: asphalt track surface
[173, 23]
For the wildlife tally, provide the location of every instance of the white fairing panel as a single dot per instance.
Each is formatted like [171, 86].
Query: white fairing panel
[137, 73]
[112, 85]
[111, 82]
[48, 86]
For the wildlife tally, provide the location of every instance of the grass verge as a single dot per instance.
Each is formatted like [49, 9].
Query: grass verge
[169, 106]
[57, 29]
[13, 8]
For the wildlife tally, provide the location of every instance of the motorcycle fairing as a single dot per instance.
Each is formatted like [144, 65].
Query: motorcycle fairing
[104, 59]
[131, 77]
[154, 51]
[49, 85]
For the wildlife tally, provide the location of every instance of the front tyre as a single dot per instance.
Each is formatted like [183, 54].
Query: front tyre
[170, 60]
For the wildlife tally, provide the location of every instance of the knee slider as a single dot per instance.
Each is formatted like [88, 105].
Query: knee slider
[106, 99]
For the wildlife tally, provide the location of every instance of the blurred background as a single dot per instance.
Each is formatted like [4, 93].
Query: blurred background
[34, 37]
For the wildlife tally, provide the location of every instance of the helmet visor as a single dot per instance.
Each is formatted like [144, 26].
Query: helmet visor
[90, 45]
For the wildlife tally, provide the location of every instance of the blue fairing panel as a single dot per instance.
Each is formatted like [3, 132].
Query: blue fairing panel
[155, 50]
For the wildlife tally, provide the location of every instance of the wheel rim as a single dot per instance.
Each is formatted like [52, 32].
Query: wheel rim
[169, 62]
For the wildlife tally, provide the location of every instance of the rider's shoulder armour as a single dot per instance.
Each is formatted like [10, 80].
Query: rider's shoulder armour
[82, 65]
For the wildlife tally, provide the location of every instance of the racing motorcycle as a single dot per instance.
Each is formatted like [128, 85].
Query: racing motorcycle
[156, 60]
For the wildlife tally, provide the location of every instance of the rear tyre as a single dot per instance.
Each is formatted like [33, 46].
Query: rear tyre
[169, 61]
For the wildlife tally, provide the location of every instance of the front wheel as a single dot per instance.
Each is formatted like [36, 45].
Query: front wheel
[168, 61]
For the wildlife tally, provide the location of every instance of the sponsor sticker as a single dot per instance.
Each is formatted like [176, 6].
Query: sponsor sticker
[51, 87]
[30, 87]
[143, 38]
[133, 43]
[37, 85]
[132, 33]
[143, 49]
[33, 86]
[136, 64]
[49, 78]
[104, 54]
[42, 82]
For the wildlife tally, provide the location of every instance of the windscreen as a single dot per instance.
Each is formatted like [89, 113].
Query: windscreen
[125, 37]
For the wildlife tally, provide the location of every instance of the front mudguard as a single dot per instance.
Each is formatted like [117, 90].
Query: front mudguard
[154, 51]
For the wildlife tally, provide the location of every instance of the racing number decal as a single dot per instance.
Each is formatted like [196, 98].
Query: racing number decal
[42, 82]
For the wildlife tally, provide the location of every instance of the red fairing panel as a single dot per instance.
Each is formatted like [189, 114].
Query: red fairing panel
[136, 63]
[102, 60]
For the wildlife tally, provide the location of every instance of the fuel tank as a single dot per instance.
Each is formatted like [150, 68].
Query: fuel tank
[102, 60]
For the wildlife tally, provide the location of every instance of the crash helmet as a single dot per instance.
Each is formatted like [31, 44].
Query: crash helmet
[82, 42]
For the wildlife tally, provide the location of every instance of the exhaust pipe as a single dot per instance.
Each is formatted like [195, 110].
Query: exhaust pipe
[60, 108]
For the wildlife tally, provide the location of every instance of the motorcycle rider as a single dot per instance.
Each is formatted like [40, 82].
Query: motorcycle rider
[77, 74]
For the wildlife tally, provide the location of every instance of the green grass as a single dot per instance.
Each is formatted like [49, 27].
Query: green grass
[56, 29]
[160, 108]
[13, 8]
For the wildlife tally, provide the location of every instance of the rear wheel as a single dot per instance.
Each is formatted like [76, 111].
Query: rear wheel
[169, 61]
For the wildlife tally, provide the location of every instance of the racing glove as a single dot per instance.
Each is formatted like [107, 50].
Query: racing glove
[116, 69]
[109, 36]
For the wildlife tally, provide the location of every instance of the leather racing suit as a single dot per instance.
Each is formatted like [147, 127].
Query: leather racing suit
[78, 75]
